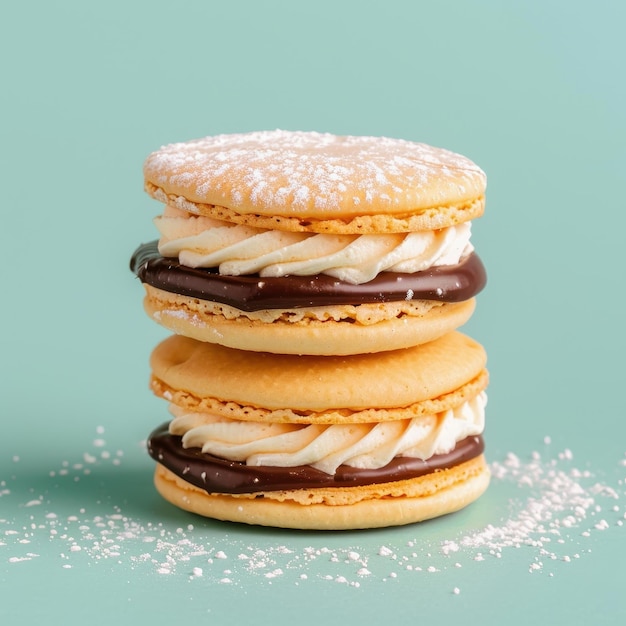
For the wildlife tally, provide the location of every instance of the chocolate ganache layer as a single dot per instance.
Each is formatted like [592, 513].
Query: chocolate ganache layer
[445, 283]
[217, 475]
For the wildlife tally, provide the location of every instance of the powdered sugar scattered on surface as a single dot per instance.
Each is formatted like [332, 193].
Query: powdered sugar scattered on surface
[543, 508]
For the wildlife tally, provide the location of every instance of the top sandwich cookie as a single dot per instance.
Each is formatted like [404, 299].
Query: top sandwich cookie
[309, 243]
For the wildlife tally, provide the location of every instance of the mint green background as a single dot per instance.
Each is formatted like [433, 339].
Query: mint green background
[532, 91]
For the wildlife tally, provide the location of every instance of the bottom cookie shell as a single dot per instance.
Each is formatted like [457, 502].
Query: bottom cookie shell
[434, 495]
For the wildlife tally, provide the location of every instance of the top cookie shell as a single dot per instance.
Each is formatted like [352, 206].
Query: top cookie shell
[308, 181]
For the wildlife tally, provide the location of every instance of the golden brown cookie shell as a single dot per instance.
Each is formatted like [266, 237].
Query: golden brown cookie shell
[375, 506]
[315, 181]
[325, 389]
[331, 330]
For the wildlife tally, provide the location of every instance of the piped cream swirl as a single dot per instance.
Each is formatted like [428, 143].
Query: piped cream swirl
[326, 447]
[236, 249]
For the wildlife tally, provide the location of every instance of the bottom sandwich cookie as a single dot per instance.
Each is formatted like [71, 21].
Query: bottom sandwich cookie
[329, 443]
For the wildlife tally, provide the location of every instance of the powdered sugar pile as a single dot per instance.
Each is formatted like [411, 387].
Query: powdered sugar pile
[561, 502]
[546, 508]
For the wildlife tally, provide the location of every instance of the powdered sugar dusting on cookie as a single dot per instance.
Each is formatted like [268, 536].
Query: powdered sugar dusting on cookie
[308, 173]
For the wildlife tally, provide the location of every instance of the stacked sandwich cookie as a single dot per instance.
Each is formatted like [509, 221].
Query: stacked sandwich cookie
[314, 284]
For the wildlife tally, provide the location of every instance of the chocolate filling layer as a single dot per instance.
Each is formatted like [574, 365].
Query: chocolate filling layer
[217, 475]
[446, 283]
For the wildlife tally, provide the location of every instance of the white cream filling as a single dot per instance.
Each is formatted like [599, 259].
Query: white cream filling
[237, 250]
[326, 447]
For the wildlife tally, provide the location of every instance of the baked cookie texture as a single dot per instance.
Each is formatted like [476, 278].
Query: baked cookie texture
[314, 182]
[440, 494]
[314, 284]
[421, 380]
[346, 329]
